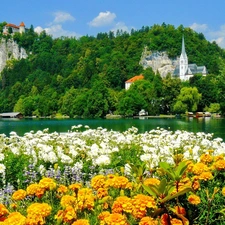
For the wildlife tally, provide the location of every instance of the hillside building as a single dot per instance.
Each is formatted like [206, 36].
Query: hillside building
[184, 70]
[14, 28]
[132, 80]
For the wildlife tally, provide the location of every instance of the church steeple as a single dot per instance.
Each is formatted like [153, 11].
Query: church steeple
[183, 61]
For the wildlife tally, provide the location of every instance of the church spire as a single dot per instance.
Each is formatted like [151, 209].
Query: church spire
[183, 61]
[183, 52]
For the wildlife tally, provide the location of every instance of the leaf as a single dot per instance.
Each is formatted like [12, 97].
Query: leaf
[151, 190]
[162, 186]
[180, 169]
[175, 195]
[167, 168]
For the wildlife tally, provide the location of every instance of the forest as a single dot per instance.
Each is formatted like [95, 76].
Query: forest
[85, 77]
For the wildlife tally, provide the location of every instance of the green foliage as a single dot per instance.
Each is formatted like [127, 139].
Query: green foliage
[111, 58]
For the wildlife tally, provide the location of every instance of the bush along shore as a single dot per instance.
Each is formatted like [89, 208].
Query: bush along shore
[106, 177]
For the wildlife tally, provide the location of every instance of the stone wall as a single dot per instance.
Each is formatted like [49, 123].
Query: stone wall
[10, 50]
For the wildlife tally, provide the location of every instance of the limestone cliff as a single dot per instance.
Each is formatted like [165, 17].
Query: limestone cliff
[158, 61]
[10, 50]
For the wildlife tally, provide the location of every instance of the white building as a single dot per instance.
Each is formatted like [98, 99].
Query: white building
[184, 70]
[21, 28]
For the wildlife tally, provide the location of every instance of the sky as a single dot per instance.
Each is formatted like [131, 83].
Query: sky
[89, 17]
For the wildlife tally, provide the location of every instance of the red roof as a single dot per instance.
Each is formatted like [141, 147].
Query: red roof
[12, 25]
[22, 24]
[135, 78]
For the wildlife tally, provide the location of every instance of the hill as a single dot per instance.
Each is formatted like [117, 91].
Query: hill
[85, 76]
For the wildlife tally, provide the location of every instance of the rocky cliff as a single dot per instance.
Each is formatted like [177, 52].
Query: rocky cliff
[158, 61]
[10, 50]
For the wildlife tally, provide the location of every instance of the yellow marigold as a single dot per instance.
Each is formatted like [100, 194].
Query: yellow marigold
[141, 203]
[148, 221]
[195, 185]
[194, 199]
[67, 215]
[118, 182]
[200, 167]
[33, 219]
[206, 158]
[103, 215]
[175, 221]
[75, 187]
[15, 218]
[85, 199]
[205, 176]
[98, 182]
[40, 209]
[122, 204]
[220, 164]
[102, 192]
[62, 189]
[19, 195]
[116, 219]
[35, 189]
[68, 200]
[81, 222]
[152, 181]
[47, 183]
[223, 191]
[218, 157]
[180, 210]
[3, 210]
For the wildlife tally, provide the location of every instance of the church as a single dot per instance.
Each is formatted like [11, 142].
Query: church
[184, 70]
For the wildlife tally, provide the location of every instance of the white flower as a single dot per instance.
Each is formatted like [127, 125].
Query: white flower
[102, 160]
[2, 168]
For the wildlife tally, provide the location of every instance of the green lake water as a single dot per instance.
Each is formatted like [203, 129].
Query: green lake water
[207, 125]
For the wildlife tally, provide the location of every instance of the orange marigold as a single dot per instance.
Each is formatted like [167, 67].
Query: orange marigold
[62, 189]
[194, 199]
[148, 221]
[180, 210]
[75, 187]
[206, 158]
[85, 199]
[68, 200]
[67, 215]
[200, 167]
[15, 218]
[98, 182]
[195, 185]
[141, 203]
[116, 219]
[47, 183]
[205, 176]
[152, 181]
[39, 209]
[81, 222]
[175, 221]
[122, 203]
[35, 189]
[3, 210]
[103, 215]
[220, 164]
[118, 182]
[218, 157]
[19, 195]
[102, 192]
[33, 219]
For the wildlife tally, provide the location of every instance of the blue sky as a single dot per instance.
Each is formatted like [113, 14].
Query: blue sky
[82, 17]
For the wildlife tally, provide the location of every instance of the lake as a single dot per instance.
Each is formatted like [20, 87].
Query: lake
[207, 125]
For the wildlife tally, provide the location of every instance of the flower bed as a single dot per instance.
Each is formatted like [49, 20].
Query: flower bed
[108, 177]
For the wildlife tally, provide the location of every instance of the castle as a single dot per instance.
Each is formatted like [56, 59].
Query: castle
[159, 61]
[9, 26]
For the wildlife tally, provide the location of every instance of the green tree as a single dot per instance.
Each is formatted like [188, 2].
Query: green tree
[187, 100]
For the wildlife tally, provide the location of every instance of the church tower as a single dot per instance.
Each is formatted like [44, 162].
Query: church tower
[183, 61]
[22, 27]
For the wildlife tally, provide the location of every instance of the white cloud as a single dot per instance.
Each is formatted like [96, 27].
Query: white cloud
[55, 28]
[211, 35]
[199, 27]
[61, 17]
[57, 31]
[103, 19]
[120, 26]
